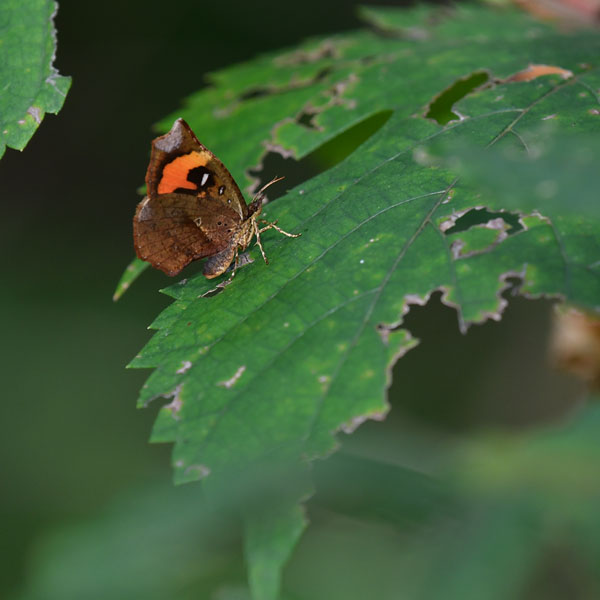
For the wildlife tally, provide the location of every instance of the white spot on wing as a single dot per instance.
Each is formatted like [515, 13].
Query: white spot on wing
[145, 212]
[353, 423]
[204, 178]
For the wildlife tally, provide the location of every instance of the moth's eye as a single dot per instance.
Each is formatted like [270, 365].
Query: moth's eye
[219, 223]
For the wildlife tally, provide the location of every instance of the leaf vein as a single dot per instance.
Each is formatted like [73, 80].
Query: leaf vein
[371, 308]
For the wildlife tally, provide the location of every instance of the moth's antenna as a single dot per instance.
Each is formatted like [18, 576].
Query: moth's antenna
[260, 194]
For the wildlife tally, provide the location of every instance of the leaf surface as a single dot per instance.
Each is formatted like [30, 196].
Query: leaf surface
[30, 84]
[291, 353]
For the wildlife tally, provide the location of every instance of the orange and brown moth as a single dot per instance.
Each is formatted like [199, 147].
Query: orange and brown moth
[194, 209]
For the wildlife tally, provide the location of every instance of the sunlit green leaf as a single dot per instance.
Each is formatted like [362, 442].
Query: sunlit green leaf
[135, 268]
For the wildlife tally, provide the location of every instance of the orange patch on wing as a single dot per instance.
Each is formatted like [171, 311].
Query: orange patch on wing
[175, 173]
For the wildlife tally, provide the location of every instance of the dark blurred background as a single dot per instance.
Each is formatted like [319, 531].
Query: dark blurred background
[72, 436]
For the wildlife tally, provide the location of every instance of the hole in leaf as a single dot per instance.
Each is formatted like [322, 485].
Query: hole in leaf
[257, 92]
[323, 158]
[322, 74]
[481, 216]
[302, 57]
[306, 120]
[497, 374]
[440, 108]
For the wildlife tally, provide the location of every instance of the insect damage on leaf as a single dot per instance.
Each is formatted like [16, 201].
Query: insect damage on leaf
[462, 220]
[534, 71]
[479, 238]
[229, 383]
[441, 108]
[175, 405]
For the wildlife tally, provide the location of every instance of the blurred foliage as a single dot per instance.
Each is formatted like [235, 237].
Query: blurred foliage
[406, 509]
[489, 523]
[558, 175]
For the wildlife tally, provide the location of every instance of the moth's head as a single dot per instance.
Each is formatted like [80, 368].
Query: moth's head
[255, 207]
[260, 196]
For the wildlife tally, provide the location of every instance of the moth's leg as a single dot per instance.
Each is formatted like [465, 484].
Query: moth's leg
[274, 226]
[235, 265]
[257, 232]
[268, 224]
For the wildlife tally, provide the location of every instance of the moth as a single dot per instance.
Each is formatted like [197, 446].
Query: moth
[194, 209]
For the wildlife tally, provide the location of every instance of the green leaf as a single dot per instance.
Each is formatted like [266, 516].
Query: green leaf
[487, 554]
[150, 544]
[556, 176]
[273, 525]
[291, 353]
[135, 548]
[506, 513]
[269, 540]
[30, 85]
[134, 269]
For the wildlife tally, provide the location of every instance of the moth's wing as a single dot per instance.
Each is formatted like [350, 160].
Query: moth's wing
[217, 265]
[180, 164]
[172, 230]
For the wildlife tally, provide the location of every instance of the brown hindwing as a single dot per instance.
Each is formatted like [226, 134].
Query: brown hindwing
[172, 230]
